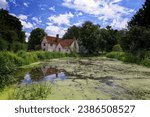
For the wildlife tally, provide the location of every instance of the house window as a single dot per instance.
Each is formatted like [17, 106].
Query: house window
[43, 44]
[59, 49]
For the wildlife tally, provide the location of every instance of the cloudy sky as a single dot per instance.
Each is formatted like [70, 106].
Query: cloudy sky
[55, 16]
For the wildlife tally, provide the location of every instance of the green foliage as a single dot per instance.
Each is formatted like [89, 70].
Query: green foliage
[136, 39]
[145, 62]
[17, 46]
[36, 38]
[107, 39]
[72, 32]
[31, 92]
[117, 48]
[7, 68]
[88, 37]
[142, 17]
[130, 58]
[10, 61]
[10, 31]
[3, 44]
[92, 39]
[117, 55]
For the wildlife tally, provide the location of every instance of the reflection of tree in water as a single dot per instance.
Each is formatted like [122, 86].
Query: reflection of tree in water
[39, 73]
[36, 74]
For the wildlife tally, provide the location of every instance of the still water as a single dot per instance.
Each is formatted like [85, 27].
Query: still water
[47, 73]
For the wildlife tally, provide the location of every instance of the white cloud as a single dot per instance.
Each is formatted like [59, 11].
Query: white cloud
[24, 22]
[26, 4]
[104, 10]
[79, 23]
[52, 8]
[119, 23]
[79, 14]
[37, 20]
[53, 30]
[26, 25]
[61, 19]
[22, 17]
[13, 14]
[3, 4]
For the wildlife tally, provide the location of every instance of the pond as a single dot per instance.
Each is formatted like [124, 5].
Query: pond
[42, 74]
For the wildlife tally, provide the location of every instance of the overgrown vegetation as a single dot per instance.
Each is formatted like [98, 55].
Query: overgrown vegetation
[31, 92]
[9, 62]
[130, 58]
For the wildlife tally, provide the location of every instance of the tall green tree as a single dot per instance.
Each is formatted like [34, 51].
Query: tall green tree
[89, 37]
[72, 32]
[142, 17]
[35, 39]
[136, 40]
[10, 23]
[10, 31]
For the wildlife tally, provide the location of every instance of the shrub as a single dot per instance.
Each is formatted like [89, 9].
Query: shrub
[117, 55]
[131, 58]
[126, 57]
[117, 48]
[146, 62]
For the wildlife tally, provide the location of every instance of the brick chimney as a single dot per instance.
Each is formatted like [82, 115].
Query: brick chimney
[57, 36]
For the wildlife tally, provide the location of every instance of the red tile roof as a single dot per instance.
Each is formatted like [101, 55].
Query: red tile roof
[65, 43]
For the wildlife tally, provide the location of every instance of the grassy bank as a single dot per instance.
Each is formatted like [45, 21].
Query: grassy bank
[10, 61]
[130, 58]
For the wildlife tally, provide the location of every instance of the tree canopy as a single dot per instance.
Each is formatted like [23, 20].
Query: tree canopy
[92, 38]
[142, 17]
[72, 32]
[35, 39]
[10, 31]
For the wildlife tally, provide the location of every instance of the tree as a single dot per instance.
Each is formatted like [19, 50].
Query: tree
[107, 39]
[10, 23]
[3, 44]
[72, 32]
[142, 17]
[89, 37]
[137, 39]
[10, 30]
[36, 38]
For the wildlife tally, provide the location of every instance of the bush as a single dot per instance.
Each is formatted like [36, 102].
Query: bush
[145, 62]
[131, 58]
[126, 57]
[117, 48]
[117, 55]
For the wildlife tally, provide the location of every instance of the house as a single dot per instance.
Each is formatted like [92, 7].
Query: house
[56, 44]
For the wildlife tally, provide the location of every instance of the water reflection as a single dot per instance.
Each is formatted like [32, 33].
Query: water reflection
[27, 79]
[46, 73]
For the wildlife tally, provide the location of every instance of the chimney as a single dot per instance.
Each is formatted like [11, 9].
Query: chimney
[57, 36]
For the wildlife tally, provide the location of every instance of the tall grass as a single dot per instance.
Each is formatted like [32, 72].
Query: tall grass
[31, 92]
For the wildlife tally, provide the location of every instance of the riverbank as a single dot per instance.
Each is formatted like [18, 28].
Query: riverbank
[96, 78]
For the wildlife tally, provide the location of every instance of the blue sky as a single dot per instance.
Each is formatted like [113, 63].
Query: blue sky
[55, 16]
